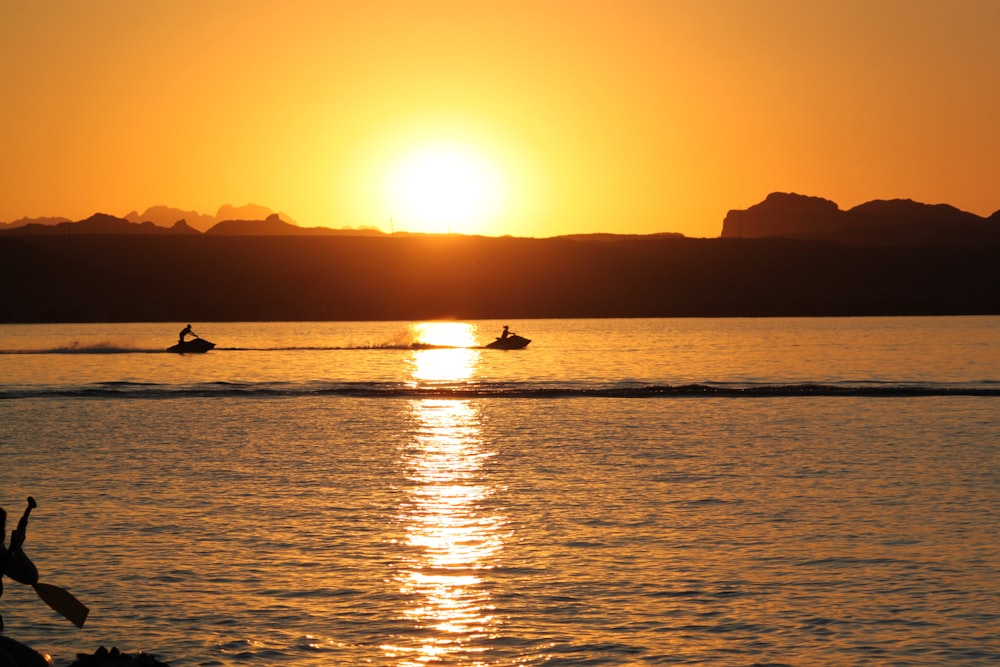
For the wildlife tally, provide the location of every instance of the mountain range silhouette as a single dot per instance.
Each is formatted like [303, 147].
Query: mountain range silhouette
[790, 255]
[874, 223]
[780, 215]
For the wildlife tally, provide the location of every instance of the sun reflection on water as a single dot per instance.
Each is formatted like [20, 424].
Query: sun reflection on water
[453, 536]
[446, 352]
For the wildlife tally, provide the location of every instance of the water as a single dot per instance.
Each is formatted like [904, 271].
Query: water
[622, 492]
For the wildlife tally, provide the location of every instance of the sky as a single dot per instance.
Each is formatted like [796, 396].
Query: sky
[522, 117]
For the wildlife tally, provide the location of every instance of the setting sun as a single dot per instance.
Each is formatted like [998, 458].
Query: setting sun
[441, 188]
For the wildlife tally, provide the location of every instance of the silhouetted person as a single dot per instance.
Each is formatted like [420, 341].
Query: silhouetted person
[506, 332]
[184, 332]
[14, 563]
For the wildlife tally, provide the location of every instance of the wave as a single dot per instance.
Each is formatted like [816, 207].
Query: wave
[478, 390]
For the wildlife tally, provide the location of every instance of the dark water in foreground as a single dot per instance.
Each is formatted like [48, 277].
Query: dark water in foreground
[724, 492]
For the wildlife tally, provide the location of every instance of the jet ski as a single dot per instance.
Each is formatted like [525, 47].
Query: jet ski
[191, 346]
[510, 342]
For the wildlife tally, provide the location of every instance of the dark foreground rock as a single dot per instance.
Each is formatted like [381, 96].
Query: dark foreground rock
[103, 656]
[15, 654]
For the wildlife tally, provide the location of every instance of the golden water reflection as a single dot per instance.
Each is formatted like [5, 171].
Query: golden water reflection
[453, 535]
[447, 352]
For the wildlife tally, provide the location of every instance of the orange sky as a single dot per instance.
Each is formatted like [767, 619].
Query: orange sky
[588, 116]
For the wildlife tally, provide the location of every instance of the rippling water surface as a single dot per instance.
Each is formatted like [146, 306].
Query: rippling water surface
[723, 492]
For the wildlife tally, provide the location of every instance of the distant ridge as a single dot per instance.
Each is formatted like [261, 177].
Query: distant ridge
[895, 222]
[165, 216]
[162, 216]
[99, 223]
[21, 222]
[103, 223]
[607, 236]
[272, 225]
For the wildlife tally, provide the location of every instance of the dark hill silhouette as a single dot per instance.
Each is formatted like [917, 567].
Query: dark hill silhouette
[165, 216]
[780, 215]
[788, 255]
[608, 237]
[203, 277]
[246, 212]
[46, 285]
[273, 225]
[102, 223]
[182, 227]
[270, 226]
[21, 222]
[880, 222]
[99, 223]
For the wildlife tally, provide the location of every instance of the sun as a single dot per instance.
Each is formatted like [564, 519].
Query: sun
[443, 188]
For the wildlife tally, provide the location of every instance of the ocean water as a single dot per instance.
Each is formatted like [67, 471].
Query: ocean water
[622, 492]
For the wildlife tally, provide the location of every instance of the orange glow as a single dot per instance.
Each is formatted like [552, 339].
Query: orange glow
[572, 117]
